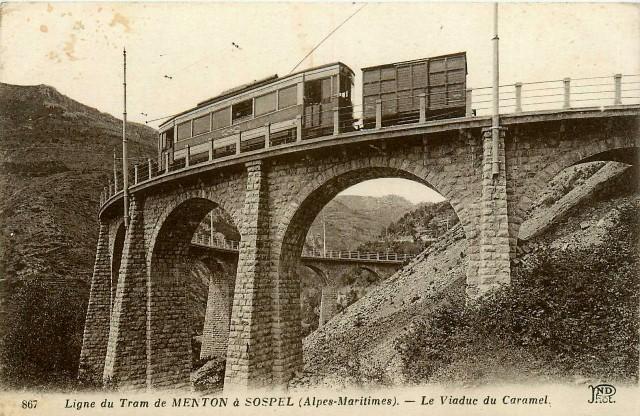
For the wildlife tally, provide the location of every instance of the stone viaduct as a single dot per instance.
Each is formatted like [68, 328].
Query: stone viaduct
[137, 334]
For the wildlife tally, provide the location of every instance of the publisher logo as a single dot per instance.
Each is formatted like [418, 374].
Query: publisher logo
[602, 393]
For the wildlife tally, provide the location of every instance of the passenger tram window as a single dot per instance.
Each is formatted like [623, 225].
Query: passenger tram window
[184, 130]
[201, 125]
[317, 91]
[345, 86]
[167, 138]
[266, 103]
[241, 110]
[288, 97]
[221, 118]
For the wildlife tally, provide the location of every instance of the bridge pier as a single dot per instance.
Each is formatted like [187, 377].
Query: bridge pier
[168, 327]
[126, 355]
[493, 254]
[96, 330]
[250, 350]
[215, 333]
[328, 307]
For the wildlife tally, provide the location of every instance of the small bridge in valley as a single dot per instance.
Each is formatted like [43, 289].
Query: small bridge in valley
[314, 255]
[328, 265]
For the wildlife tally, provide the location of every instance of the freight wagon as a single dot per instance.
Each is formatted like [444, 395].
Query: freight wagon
[441, 80]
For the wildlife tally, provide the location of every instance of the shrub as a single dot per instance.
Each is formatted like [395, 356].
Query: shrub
[566, 314]
[43, 331]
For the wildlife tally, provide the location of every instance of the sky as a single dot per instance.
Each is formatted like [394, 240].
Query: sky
[179, 54]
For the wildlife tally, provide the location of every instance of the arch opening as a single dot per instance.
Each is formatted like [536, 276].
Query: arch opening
[305, 232]
[190, 293]
[618, 166]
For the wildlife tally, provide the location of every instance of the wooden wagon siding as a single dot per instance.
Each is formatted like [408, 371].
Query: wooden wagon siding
[398, 85]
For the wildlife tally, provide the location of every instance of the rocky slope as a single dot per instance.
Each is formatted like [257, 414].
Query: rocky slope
[378, 339]
[55, 156]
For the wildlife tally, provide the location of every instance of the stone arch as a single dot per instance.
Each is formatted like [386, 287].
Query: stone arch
[322, 274]
[300, 212]
[297, 215]
[352, 172]
[168, 329]
[169, 205]
[373, 271]
[608, 148]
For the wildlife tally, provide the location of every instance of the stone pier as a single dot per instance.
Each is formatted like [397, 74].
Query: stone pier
[328, 306]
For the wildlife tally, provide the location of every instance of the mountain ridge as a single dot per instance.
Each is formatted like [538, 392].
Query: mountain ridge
[56, 155]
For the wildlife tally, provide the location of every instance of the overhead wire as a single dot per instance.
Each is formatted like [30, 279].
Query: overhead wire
[293, 69]
[327, 37]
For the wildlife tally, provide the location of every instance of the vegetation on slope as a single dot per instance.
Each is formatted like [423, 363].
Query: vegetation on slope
[567, 315]
[427, 220]
[352, 220]
[56, 155]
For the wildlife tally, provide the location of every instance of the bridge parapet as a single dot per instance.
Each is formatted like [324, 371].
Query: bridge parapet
[358, 255]
[386, 257]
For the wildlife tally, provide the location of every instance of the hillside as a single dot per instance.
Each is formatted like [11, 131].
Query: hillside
[55, 150]
[55, 157]
[413, 327]
[353, 220]
[415, 230]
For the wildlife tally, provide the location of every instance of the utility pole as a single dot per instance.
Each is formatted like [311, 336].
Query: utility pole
[125, 155]
[495, 118]
[211, 228]
[115, 171]
[324, 237]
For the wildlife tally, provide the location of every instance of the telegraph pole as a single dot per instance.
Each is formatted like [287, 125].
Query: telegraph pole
[495, 118]
[211, 228]
[324, 237]
[115, 171]
[125, 156]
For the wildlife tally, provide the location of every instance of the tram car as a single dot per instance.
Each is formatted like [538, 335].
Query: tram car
[398, 87]
[266, 113]
[312, 103]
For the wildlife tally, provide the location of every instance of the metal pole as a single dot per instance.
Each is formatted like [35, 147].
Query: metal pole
[495, 118]
[567, 93]
[324, 237]
[115, 171]
[518, 97]
[211, 228]
[125, 156]
[468, 103]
